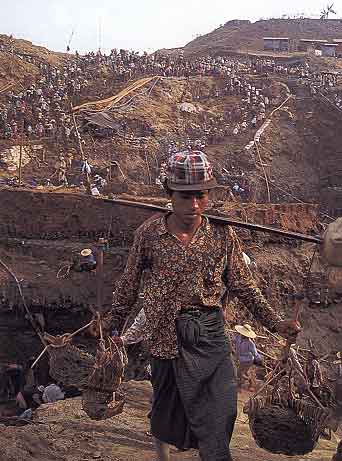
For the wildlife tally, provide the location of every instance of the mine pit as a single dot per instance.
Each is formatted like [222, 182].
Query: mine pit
[85, 148]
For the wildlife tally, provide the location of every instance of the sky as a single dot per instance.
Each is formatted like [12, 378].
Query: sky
[134, 24]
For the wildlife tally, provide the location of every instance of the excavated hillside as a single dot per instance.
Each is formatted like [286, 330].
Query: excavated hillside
[242, 35]
[288, 169]
[290, 180]
[154, 118]
[19, 61]
[153, 121]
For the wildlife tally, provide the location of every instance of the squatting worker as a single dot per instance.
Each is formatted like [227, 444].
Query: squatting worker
[187, 264]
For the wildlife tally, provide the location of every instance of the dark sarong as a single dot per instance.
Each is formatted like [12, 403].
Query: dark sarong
[195, 394]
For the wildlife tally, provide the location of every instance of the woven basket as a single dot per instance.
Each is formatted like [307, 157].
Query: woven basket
[70, 365]
[100, 405]
[289, 427]
[98, 377]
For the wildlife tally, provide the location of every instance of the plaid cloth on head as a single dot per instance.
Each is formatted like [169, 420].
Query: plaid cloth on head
[190, 170]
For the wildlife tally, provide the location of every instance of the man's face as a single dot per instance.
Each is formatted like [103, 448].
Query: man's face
[189, 205]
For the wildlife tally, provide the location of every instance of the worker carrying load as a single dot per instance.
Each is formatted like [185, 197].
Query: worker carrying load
[187, 262]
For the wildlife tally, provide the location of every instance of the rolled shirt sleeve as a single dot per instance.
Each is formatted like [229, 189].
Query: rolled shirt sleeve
[135, 333]
[241, 284]
[127, 289]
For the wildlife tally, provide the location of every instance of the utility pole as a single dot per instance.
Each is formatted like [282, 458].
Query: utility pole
[81, 150]
[100, 34]
[21, 158]
[99, 273]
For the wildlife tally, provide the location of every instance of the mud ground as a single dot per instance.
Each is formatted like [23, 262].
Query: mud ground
[63, 432]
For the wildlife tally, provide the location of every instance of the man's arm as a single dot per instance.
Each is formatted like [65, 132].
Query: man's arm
[135, 333]
[255, 352]
[241, 284]
[127, 289]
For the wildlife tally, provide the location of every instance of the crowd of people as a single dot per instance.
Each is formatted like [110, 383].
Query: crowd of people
[327, 84]
[42, 109]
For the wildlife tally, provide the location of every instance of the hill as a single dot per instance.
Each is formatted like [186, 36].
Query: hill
[20, 61]
[244, 35]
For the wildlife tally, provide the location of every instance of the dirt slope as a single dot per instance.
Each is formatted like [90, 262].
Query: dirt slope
[19, 61]
[65, 433]
[242, 35]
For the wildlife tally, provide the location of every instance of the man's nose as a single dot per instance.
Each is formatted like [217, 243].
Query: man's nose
[194, 203]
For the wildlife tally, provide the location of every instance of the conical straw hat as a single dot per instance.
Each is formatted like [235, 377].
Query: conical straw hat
[246, 330]
[86, 252]
[339, 357]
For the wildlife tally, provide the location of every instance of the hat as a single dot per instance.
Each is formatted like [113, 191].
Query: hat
[245, 330]
[190, 170]
[86, 252]
[339, 357]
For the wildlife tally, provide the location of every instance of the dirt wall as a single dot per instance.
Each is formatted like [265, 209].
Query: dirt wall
[39, 215]
[55, 216]
[39, 233]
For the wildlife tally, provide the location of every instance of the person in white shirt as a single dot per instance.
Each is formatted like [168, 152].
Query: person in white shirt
[52, 393]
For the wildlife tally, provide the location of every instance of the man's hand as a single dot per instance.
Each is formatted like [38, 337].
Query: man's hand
[289, 329]
[117, 340]
[94, 329]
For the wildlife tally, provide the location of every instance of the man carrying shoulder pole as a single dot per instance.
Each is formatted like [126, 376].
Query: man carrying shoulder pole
[188, 266]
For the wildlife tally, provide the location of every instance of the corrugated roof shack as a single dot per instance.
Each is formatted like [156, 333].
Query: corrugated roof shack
[276, 44]
[329, 49]
[310, 45]
[338, 42]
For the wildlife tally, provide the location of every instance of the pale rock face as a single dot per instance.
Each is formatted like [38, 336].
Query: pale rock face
[189, 107]
[11, 157]
[332, 244]
[335, 279]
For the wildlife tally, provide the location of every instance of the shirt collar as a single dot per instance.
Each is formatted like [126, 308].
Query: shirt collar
[162, 229]
[161, 224]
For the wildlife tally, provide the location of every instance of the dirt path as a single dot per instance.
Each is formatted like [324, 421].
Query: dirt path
[65, 433]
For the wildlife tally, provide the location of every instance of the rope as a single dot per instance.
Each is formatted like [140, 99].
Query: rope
[62, 275]
[264, 171]
[6, 87]
[108, 103]
[281, 105]
[327, 102]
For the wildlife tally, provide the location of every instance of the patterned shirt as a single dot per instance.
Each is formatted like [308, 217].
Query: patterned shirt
[173, 277]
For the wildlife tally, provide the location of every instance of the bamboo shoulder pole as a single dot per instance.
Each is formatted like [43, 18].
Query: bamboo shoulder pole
[226, 221]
